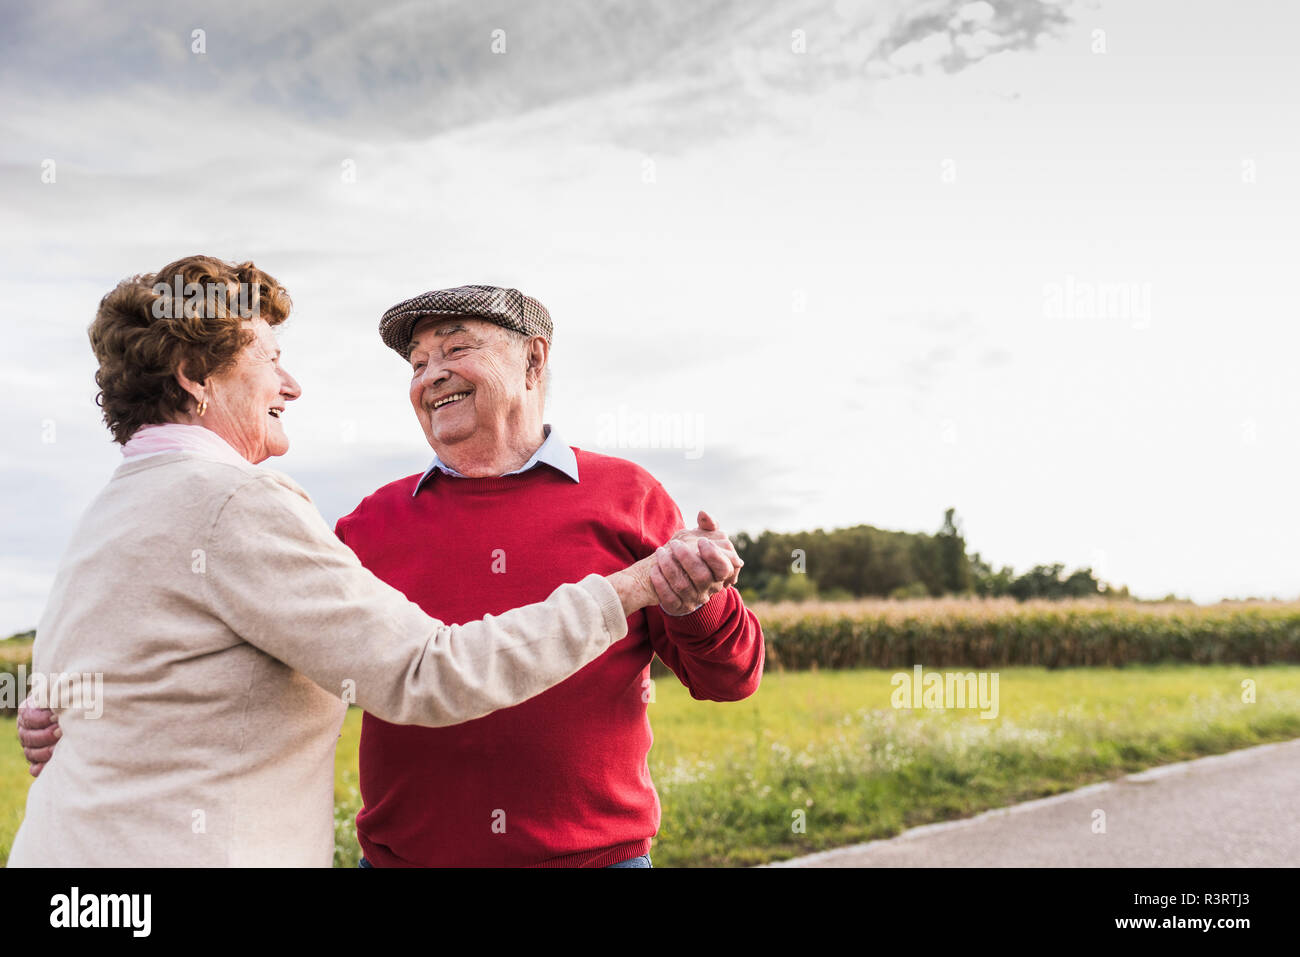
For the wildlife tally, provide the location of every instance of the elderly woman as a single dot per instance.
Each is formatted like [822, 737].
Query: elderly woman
[228, 622]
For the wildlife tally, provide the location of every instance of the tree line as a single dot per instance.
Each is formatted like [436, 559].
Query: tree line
[864, 561]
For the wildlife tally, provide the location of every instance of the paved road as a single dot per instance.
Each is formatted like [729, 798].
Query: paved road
[1240, 809]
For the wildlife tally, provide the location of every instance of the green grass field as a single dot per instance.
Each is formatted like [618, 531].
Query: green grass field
[730, 776]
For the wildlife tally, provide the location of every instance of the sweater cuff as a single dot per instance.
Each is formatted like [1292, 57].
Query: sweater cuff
[611, 606]
[705, 620]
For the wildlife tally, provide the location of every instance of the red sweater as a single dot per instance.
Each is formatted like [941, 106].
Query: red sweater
[560, 780]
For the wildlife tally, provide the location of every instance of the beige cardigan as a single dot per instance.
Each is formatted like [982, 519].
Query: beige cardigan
[230, 626]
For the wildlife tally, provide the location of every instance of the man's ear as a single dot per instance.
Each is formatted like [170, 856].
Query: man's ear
[539, 351]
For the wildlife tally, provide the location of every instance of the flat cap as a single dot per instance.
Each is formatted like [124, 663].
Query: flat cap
[505, 307]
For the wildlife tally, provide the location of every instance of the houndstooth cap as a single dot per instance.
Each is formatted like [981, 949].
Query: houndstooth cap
[506, 307]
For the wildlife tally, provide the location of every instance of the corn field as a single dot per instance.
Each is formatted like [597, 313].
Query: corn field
[985, 633]
[1057, 634]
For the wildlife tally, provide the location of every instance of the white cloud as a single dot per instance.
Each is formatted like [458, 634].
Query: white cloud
[799, 273]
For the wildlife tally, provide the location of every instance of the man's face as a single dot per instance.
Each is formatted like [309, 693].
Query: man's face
[468, 378]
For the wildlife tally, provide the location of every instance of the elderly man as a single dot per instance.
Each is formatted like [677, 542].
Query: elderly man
[511, 512]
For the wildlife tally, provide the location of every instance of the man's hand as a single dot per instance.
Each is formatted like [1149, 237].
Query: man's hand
[708, 529]
[38, 732]
[693, 567]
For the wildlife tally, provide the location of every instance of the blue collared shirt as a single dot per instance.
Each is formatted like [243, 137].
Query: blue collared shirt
[553, 452]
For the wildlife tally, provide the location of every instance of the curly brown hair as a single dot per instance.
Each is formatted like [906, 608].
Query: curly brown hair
[191, 316]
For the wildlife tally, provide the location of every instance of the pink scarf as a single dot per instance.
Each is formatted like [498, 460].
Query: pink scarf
[174, 437]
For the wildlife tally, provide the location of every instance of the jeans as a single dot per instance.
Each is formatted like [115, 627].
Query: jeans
[642, 861]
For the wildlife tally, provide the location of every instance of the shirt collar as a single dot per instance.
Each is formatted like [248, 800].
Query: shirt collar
[553, 452]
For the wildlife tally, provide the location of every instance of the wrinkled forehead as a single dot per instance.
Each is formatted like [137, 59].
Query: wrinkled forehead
[263, 335]
[439, 327]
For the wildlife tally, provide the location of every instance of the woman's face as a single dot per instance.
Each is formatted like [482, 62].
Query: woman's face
[246, 401]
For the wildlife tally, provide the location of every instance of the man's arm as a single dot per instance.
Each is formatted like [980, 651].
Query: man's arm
[716, 651]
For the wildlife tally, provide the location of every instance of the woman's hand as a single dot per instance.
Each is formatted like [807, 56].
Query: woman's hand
[693, 567]
[682, 575]
[633, 586]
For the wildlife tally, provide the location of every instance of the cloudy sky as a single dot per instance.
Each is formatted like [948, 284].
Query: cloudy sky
[830, 264]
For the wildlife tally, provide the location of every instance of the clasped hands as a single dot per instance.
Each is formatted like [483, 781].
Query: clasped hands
[693, 566]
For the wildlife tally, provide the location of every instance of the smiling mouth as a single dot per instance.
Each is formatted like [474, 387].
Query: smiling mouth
[274, 413]
[448, 400]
